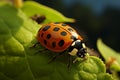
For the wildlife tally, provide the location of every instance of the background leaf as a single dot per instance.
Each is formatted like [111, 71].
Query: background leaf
[31, 8]
[109, 53]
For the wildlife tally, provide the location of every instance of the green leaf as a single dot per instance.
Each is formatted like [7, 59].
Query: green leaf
[16, 32]
[104, 77]
[31, 8]
[108, 53]
[20, 62]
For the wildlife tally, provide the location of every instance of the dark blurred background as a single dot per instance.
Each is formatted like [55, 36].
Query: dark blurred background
[96, 18]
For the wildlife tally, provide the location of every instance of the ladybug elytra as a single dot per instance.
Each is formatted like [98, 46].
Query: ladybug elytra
[59, 37]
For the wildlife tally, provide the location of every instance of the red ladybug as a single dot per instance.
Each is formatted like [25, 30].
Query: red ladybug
[59, 37]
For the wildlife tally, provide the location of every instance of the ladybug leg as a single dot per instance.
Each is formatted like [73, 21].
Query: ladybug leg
[54, 57]
[69, 61]
[34, 45]
[40, 50]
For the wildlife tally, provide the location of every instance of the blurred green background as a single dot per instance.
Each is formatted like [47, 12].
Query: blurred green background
[95, 18]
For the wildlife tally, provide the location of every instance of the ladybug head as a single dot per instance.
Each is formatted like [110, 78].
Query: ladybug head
[78, 48]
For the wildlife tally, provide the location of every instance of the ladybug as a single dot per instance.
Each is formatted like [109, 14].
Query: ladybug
[59, 37]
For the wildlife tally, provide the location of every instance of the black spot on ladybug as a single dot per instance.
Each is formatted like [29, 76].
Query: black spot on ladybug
[63, 33]
[48, 36]
[46, 28]
[39, 30]
[64, 24]
[56, 29]
[45, 42]
[53, 44]
[42, 34]
[61, 43]
[70, 29]
[56, 22]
